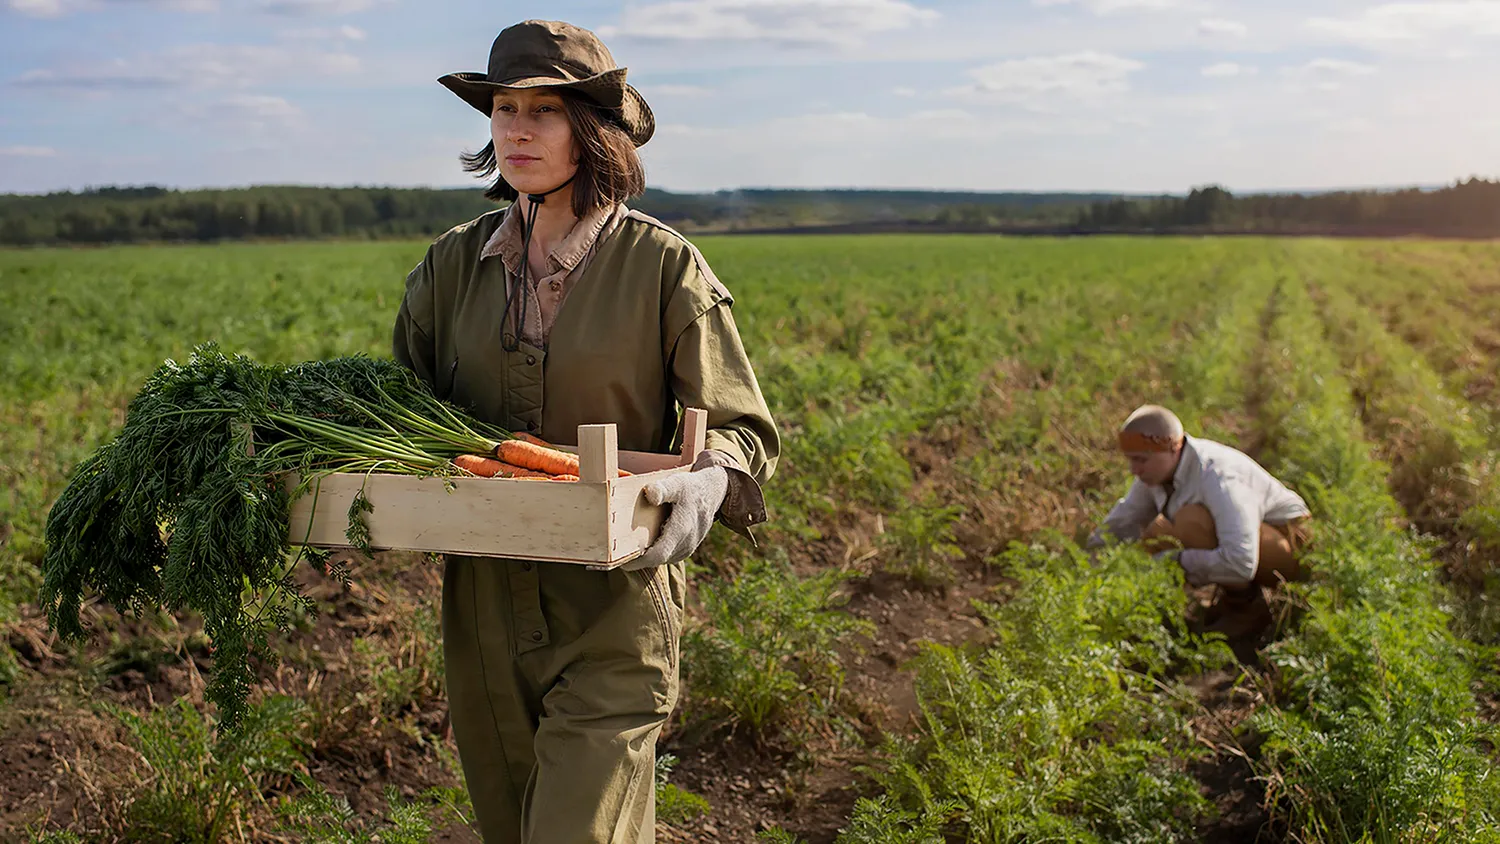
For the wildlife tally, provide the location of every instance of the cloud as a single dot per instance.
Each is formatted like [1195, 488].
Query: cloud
[242, 114]
[40, 8]
[1085, 75]
[922, 148]
[1108, 7]
[903, 91]
[193, 66]
[1220, 26]
[837, 22]
[676, 90]
[1228, 69]
[1325, 74]
[313, 8]
[27, 152]
[1398, 24]
[59, 8]
[340, 33]
[1334, 67]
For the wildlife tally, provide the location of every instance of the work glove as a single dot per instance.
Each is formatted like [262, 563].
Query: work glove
[695, 498]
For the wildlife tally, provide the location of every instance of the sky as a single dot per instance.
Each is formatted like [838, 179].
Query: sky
[1028, 95]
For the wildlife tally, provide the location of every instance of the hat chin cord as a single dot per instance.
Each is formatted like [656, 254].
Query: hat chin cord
[528, 224]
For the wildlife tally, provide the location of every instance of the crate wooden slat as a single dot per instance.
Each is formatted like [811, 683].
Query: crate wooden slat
[601, 520]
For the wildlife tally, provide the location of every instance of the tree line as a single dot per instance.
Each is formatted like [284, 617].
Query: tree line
[1465, 209]
[156, 214]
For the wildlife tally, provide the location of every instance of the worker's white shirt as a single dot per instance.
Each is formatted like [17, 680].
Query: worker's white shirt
[1237, 491]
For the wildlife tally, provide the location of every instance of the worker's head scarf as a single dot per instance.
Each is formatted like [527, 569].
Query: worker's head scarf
[1151, 428]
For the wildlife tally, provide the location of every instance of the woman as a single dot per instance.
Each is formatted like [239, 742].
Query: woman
[567, 308]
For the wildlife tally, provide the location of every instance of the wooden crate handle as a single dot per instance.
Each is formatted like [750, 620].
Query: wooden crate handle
[598, 453]
[694, 434]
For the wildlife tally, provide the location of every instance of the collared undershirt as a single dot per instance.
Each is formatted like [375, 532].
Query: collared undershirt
[565, 264]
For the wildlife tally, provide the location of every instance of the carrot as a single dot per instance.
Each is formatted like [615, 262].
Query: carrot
[540, 458]
[534, 453]
[511, 470]
[489, 467]
[484, 467]
[564, 477]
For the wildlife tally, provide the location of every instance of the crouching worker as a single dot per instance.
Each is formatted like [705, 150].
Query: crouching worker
[1238, 527]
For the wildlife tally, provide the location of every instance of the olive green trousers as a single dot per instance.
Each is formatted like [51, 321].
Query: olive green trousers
[559, 681]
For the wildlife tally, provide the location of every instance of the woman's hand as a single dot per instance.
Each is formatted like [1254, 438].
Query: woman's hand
[695, 498]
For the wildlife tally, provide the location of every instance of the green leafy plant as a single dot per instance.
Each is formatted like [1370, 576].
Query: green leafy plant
[198, 778]
[1065, 726]
[319, 816]
[921, 541]
[881, 820]
[1374, 735]
[675, 805]
[766, 652]
[193, 516]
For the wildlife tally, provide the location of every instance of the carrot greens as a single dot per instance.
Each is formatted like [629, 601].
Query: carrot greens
[187, 507]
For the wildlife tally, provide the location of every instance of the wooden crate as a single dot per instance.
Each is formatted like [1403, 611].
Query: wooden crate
[602, 520]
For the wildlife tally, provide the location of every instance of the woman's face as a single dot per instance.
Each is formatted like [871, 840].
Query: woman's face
[534, 142]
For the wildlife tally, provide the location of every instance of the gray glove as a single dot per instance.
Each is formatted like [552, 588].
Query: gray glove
[695, 498]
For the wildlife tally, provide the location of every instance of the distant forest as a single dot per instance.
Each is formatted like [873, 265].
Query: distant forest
[155, 214]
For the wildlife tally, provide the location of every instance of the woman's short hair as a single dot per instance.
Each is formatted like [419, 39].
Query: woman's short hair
[609, 168]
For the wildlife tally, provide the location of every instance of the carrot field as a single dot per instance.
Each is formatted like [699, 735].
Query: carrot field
[918, 650]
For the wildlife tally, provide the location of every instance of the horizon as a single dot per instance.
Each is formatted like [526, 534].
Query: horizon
[1388, 188]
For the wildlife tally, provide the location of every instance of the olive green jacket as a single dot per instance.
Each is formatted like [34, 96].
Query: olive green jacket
[645, 331]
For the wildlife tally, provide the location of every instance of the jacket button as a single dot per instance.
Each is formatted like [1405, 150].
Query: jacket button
[556, 285]
[536, 635]
[526, 566]
[531, 360]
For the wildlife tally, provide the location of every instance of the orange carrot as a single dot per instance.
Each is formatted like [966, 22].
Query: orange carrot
[533, 456]
[488, 467]
[564, 477]
[484, 467]
[511, 470]
[534, 453]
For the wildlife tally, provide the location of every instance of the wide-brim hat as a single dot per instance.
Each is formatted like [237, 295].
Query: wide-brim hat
[553, 54]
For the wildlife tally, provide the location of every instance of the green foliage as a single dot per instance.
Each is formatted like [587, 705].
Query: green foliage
[777, 835]
[194, 517]
[863, 345]
[199, 778]
[1065, 726]
[1374, 735]
[404, 671]
[319, 816]
[881, 820]
[675, 805]
[765, 654]
[1464, 209]
[921, 541]
[122, 215]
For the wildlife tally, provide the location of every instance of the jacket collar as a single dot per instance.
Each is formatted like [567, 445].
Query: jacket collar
[1188, 465]
[506, 241]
